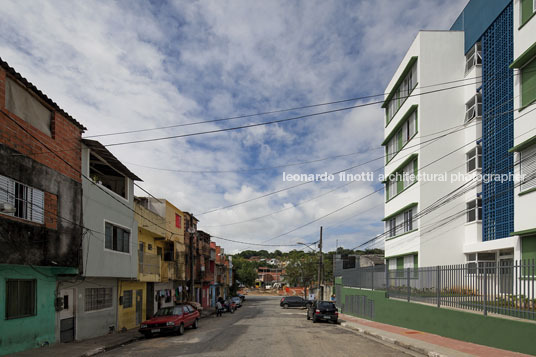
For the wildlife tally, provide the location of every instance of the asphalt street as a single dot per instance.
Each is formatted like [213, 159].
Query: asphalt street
[261, 328]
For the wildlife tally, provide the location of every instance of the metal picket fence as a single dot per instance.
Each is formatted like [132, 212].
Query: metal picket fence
[506, 288]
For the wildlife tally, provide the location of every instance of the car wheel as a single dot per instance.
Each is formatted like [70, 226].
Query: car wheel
[285, 306]
[180, 331]
[314, 320]
[148, 335]
[196, 324]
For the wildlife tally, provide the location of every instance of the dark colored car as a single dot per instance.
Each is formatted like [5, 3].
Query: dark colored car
[294, 301]
[323, 311]
[173, 319]
[237, 301]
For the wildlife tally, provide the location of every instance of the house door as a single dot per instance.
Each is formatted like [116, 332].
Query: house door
[139, 306]
[67, 318]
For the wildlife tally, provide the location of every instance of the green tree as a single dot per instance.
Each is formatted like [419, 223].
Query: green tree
[246, 272]
[301, 269]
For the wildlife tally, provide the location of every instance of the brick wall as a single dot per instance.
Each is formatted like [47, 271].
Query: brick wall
[51, 211]
[65, 138]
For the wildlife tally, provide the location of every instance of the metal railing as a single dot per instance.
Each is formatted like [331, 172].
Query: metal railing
[148, 263]
[506, 287]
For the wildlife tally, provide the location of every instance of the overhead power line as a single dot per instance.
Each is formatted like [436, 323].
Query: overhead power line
[276, 111]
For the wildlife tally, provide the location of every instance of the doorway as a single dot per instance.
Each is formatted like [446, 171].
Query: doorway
[67, 318]
[139, 306]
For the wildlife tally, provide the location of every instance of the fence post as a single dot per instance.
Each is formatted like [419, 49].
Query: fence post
[387, 280]
[372, 280]
[438, 286]
[485, 290]
[409, 286]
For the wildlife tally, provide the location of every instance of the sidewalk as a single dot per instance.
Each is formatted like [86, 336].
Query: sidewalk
[91, 346]
[421, 342]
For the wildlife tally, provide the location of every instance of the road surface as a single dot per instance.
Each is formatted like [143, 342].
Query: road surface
[261, 328]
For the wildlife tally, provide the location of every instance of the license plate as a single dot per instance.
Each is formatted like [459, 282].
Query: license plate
[155, 330]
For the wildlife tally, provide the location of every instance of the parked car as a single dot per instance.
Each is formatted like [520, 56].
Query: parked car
[323, 311]
[237, 300]
[294, 301]
[242, 297]
[173, 319]
[195, 305]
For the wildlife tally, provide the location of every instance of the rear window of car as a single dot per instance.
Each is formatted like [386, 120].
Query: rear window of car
[326, 305]
[177, 310]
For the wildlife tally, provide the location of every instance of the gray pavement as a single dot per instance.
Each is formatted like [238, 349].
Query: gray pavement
[261, 328]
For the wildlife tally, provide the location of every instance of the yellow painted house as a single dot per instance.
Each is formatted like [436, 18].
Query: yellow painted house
[136, 298]
[175, 234]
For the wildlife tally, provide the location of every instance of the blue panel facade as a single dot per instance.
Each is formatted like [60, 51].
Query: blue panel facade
[497, 126]
[476, 17]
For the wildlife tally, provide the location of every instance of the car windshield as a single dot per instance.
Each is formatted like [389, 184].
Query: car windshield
[326, 305]
[166, 311]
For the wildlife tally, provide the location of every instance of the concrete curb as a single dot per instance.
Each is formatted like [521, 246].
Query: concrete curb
[392, 341]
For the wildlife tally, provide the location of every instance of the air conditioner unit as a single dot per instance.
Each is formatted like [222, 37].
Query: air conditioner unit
[7, 207]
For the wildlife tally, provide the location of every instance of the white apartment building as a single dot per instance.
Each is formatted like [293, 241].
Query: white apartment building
[452, 111]
[524, 149]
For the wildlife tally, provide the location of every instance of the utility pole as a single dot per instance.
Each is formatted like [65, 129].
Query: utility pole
[319, 292]
[191, 230]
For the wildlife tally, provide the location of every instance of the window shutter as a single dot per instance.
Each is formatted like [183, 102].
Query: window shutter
[7, 191]
[37, 202]
[528, 83]
[526, 10]
[528, 168]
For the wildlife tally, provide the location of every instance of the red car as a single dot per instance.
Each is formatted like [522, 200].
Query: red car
[173, 319]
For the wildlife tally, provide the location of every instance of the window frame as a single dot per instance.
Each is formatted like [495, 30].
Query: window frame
[475, 154]
[531, 151]
[473, 108]
[20, 314]
[28, 201]
[105, 300]
[127, 301]
[124, 229]
[401, 94]
[476, 210]
[473, 58]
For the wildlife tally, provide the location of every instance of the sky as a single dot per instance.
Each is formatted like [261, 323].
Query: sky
[132, 65]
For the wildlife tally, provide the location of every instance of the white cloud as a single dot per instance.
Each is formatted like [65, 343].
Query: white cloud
[119, 66]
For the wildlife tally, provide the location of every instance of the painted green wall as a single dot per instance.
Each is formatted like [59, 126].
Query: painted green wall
[485, 330]
[34, 331]
[528, 248]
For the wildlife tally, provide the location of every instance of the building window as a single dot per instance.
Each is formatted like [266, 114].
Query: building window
[528, 7]
[391, 189]
[528, 83]
[29, 202]
[402, 136]
[402, 93]
[117, 238]
[408, 220]
[473, 108]
[21, 298]
[528, 168]
[392, 227]
[127, 299]
[348, 261]
[98, 298]
[408, 174]
[474, 159]
[484, 261]
[474, 210]
[177, 221]
[473, 57]
[103, 174]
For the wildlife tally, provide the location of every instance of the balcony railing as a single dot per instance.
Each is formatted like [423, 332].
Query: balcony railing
[149, 264]
[170, 271]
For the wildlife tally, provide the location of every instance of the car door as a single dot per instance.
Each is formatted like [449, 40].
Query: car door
[187, 316]
[299, 302]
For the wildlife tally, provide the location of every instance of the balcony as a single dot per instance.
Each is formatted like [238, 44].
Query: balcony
[170, 271]
[149, 267]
